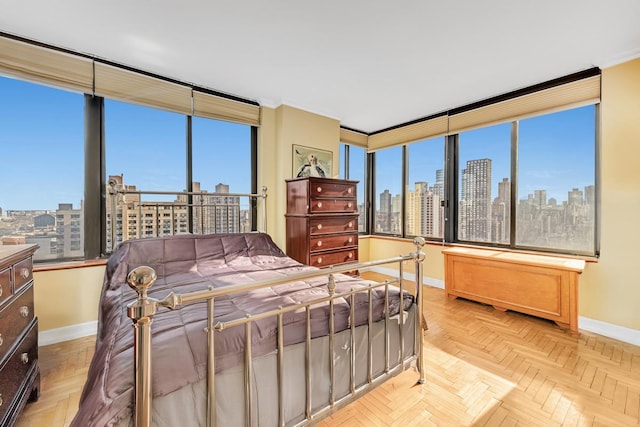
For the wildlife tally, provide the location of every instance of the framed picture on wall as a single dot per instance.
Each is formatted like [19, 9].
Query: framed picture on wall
[311, 162]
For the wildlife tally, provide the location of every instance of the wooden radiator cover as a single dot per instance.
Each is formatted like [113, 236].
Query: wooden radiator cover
[543, 286]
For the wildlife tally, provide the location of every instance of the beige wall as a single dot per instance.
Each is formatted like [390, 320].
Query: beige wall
[609, 289]
[67, 297]
[281, 128]
[433, 265]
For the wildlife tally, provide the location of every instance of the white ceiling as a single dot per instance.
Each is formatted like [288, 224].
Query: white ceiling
[369, 63]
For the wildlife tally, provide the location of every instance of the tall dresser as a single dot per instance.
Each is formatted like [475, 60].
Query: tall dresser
[322, 221]
[19, 371]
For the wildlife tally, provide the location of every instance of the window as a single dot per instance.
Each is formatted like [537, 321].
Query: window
[145, 146]
[388, 187]
[484, 184]
[425, 189]
[221, 164]
[554, 170]
[556, 181]
[354, 167]
[42, 135]
[145, 150]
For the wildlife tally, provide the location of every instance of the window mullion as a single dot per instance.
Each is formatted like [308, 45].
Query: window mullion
[451, 189]
[513, 193]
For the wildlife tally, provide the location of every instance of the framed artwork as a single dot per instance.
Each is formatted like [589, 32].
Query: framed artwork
[311, 162]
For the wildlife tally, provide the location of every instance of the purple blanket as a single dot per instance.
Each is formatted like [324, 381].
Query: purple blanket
[188, 263]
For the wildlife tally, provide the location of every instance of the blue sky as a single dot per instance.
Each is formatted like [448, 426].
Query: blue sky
[44, 165]
[556, 153]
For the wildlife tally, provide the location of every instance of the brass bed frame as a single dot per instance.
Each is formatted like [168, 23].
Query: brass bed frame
[195, 203]
[142, 310]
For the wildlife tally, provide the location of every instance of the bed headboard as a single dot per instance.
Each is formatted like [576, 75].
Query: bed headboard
[135, 214]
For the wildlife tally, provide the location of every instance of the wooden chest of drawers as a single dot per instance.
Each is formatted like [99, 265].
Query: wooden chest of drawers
[322, 221]
[19, 371]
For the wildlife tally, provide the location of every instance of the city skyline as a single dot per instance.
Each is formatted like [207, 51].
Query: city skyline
[541, 221]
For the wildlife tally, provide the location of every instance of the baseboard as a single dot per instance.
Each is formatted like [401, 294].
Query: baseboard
[66, 333]
[430, 281]
[620, 333]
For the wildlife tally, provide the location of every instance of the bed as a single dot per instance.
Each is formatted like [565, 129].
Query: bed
[290, 343]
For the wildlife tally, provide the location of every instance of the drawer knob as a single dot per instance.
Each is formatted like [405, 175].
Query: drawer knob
[350, 225]
[350, 240]
[25, 358]
[349, 205]
[0, 290]
[1, 401]
[319, 189]
[350, 255]
[1, 340]
[24, 273]
[350, 190]
[319, 204]
[319, 261]
[319, 243]
[319, 226]
[24, 311]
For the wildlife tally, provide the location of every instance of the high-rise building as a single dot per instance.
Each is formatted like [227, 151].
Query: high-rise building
[424, 213]
[69, 231]
[501, 213]
[136, 218]
[383, 218]
[540, 198]
[475, 201]
[227, 210]
[396, 214]
[415, 209]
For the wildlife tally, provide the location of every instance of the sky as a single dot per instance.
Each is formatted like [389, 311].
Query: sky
[42, 138]
[555, 153]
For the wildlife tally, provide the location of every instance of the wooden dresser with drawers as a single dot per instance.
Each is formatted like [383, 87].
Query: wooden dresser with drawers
[19, 371]
[322, 221]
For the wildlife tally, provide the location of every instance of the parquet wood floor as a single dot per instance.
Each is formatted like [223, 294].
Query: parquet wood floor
[484, 367]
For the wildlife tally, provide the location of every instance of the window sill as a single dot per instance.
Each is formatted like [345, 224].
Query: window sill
[68, 265]
[586, 258]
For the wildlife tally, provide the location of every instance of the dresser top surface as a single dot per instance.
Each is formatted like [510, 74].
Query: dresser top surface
[10, 252]
[322, 179]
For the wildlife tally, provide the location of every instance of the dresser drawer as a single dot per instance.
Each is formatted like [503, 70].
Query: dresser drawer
[326, 225]
[6, 290]
[333, 258]
[332, 189]
[22, 273]
[338, 241]
[13, 374]
[333, 205]
[14, 318]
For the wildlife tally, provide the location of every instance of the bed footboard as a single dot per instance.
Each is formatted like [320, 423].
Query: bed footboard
[143, 309]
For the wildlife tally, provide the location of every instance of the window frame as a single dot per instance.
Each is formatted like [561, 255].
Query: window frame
[96, 184]
[452, 185]
[345, 150]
